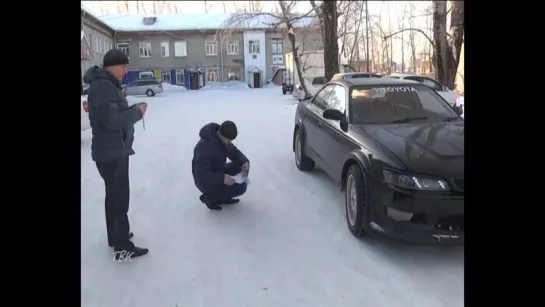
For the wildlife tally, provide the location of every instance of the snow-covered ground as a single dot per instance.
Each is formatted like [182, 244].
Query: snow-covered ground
[285, 244]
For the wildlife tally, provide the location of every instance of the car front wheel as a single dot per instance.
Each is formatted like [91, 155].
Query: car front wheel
[357, 208]
[150, 93]
[302, 162]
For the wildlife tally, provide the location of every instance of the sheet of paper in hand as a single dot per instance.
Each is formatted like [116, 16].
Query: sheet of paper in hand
[240, 178]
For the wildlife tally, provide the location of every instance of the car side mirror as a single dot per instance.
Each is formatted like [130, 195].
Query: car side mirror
[333, 114]
[445, 88]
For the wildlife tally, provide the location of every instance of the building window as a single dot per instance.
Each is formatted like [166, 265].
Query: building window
[233, 73]
[277, 46]
[211, 48]
[253, 46]
[180, 49]
[166, 76]
[91, 41]
[180, 77]
[164, 49]
[105, 47]
[144, 50]
[96, 45]
[124, 47]
[212, 75]
[232, 47]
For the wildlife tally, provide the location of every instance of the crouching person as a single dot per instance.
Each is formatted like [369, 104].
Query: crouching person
[211, 173]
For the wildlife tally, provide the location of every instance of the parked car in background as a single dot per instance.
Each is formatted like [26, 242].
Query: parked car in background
[85, 123]
[149, 87]
[354, 75]
[313, 85]
[396, 149]
[448, 94]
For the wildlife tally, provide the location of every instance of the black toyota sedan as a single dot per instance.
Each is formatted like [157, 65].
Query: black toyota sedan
[396, 148]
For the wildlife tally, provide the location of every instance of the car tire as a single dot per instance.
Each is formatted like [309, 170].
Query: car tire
[355, 200]
[283, 92]
[150, 93]
[302, 162]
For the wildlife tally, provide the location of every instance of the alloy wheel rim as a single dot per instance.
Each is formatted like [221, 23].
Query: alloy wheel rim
[351, 200]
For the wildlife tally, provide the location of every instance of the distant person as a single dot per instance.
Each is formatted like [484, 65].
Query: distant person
[211, 174]
[112, 124]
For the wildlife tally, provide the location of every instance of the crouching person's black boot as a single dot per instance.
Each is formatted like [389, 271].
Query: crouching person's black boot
[210, 203]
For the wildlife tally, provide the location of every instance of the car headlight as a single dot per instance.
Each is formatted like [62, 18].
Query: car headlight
[415, 182]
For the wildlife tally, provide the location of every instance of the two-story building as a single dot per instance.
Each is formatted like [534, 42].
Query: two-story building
[194, 49]
[96, 39]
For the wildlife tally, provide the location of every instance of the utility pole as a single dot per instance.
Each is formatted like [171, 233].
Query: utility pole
[367, 34]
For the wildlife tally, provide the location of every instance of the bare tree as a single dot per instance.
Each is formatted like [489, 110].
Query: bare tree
[412, 44]
[282, 18]
[446, 45]
[348, 31]
[327, 13]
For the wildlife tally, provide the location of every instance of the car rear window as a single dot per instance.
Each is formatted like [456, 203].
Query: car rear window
[387, 103]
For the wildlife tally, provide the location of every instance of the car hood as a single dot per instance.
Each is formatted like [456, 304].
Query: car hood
[428, 148]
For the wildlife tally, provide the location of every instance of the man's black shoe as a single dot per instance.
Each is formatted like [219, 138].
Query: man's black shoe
[129, 255]
[231, 201]
[129, 236]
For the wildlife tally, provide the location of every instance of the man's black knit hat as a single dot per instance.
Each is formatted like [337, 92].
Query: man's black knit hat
[115, 57]
[228, 129]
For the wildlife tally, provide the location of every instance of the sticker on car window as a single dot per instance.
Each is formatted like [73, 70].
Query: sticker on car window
[379, 92]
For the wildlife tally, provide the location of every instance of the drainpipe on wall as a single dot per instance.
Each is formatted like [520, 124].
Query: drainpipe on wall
[221, 60]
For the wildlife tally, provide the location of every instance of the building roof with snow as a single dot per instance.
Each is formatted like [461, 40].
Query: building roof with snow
[180, 22]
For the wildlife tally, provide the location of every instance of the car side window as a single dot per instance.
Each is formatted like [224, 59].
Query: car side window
[337, 99]
[320, 100]
[434, 85]
[132, 84]
[319, 81]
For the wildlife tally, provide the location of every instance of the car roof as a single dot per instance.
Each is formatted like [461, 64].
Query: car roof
[374, 81]
[355, 73]
[406, 75]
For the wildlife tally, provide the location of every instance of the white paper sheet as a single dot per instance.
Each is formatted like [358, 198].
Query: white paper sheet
[240, 177]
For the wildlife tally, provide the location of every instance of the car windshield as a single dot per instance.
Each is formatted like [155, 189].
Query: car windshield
[381, 104]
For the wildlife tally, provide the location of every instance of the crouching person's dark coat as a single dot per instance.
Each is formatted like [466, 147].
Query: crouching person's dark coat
[209, 159]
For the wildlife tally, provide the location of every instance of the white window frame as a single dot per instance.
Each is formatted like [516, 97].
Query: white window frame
[254, 46]
[165, 52]
[96, 45]
[166, 73]
[232, 47]
[208, 75]
[214, 48]
[180, 72]
[230, 72]
[125, 47]
[105, 46]
[277, 46]
[177, 46]
[144, 46]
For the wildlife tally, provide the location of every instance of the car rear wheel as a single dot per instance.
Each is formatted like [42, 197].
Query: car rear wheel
[357, 208]
[302, 162]
[150, 93]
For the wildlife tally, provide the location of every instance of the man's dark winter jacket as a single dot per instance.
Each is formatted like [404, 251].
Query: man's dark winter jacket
[112, 120]
[209, 159]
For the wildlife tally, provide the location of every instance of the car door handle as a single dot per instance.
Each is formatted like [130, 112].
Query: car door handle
[319, 124]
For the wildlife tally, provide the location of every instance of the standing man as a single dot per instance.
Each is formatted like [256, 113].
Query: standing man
[211, 174]
[112, 124]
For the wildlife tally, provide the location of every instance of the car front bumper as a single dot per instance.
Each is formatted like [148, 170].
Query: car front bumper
[418, 217]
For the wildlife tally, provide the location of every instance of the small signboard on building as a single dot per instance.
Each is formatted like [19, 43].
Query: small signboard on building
[278, 59]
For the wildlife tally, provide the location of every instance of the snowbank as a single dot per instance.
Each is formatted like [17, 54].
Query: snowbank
[229, 85]
[173, 88]
[272, 85]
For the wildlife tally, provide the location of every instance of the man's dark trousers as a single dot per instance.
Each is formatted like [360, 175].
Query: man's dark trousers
[226, 192]
[116, 179]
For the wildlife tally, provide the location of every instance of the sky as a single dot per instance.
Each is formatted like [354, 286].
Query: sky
[391, 9]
